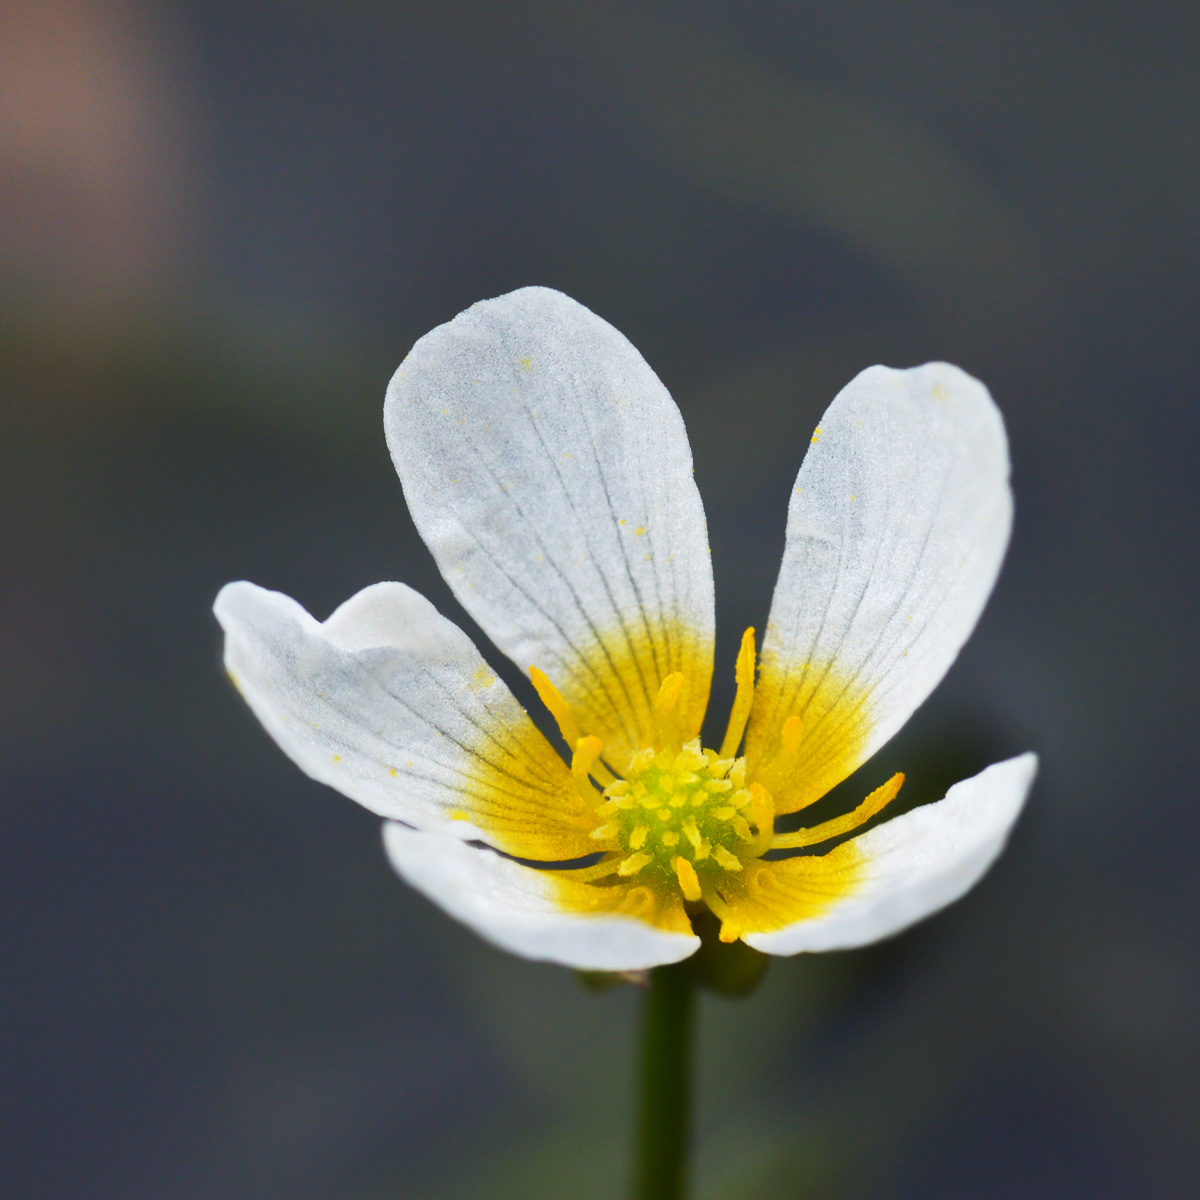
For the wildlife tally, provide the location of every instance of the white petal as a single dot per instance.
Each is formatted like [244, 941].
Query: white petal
[916, 864]
[896, 530]
[391, 704]
[520, 909]
[548, 470]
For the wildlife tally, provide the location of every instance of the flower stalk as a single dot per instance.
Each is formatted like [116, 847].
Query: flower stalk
[664, 1112]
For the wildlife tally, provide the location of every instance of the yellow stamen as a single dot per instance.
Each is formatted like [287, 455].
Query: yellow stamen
[776, 773]
[637, 839]
[600, 870]
[730, 930]
[634, 863]
[740, 713]
[793, 731]
[602, 775]
[689, 884]
[557, 706]
[762, 808]
[873, 804]
[587, 750]
[666, 711]
[730, 862]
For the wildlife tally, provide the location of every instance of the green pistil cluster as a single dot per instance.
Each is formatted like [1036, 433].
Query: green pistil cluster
[690, 804]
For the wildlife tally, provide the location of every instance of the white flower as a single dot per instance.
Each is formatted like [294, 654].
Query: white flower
[549, 473]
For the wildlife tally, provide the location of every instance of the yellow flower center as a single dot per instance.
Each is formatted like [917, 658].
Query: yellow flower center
[684, 820]
[691, 806]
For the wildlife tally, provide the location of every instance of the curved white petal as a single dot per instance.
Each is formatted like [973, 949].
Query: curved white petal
[910, 867]
[522, 910]
[391, 704]
[896, 530]
[548, 471]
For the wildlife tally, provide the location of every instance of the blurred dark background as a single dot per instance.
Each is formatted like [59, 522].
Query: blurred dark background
[222, 228]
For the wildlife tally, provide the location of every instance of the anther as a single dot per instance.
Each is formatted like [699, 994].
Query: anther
[557, 706]
[740, 713]
[873, 804]
[775, 774]
[666, 711]
[763, 810]
[689, 884]
[587, 750]
[634, 863]
[793, 732]
[730, 862]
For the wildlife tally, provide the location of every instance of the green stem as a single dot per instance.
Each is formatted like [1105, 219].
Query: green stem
[666, 1085]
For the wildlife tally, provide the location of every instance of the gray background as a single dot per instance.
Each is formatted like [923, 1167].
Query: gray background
[221, 228]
